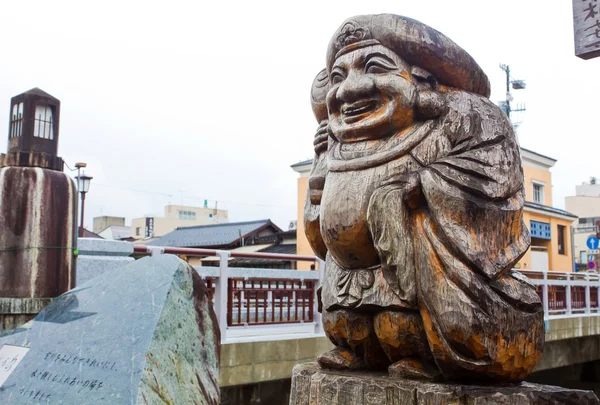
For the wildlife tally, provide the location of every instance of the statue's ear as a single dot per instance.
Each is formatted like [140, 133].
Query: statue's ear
[424, 77]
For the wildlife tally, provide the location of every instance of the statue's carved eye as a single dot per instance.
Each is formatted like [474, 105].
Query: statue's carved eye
[374, 68]
[379, 63]
[337, 77]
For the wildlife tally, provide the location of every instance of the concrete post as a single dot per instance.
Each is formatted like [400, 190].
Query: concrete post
[598, 300]
[221, 289]
[545, 295]
[588, 296]
[155, 251]
[568, 294]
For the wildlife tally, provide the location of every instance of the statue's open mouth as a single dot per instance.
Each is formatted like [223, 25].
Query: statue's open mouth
[355, 110]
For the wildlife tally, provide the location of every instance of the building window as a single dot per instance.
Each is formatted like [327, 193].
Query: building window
[538, 193]
[187, 215]
[540, 230]
[16, 121]
[137, 231]
[43, 126]
[561, 240]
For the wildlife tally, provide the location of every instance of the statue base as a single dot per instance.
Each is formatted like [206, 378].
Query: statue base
[312, 385]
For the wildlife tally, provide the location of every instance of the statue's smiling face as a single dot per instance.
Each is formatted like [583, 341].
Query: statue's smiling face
[371, 96]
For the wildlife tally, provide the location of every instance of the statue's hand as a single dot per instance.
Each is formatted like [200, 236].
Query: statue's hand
[410, 184]
[321, 136]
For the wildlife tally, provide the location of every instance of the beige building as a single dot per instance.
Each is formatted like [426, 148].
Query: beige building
[112, 228]
[586, 205]
[104, 222]
[586, 201]
[150, 227]
[549, 226]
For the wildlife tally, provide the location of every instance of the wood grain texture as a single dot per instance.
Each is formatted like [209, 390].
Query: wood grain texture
[415, 202]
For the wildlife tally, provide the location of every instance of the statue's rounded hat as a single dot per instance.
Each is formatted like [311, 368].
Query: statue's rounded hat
[417, 43]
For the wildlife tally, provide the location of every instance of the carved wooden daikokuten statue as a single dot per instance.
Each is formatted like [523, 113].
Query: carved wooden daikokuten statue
[416, 207]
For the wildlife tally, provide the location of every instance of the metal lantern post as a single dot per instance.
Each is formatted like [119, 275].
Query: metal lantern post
[83, 185]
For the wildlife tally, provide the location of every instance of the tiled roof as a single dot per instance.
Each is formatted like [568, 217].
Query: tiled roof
[549, 209]
[304, 162]
[120, 232]
[286, 249]
[536, 153]
[210, 235]
[90, 234]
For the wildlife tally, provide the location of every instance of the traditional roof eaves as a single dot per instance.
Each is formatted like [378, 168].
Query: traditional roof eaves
[539, 154]
[531, 206]
[224, 240]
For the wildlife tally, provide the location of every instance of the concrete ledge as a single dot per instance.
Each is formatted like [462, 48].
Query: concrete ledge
[567, 352]
[23, 305]
[254, 362]
[263, 333]
[576, 327]
[15, 312]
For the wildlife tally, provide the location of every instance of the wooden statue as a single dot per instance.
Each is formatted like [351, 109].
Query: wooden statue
[415, 204]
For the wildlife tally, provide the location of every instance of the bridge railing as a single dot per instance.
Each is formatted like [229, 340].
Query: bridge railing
[254, 297]
[566, 294]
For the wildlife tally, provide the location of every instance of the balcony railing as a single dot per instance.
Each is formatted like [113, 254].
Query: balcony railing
[251, 298]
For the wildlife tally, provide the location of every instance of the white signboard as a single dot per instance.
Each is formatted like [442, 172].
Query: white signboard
[10, 357]
[586, 26]
[593, 251]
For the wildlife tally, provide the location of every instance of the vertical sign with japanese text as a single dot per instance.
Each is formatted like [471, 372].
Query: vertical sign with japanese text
[586, 27]
[149, 228]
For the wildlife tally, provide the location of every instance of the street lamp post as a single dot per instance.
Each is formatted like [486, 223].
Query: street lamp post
[83, 185]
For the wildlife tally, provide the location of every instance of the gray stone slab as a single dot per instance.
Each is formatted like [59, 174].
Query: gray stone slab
[97, 256]
[103, 247]
[89, 267]
[144, 333]
[312, 385]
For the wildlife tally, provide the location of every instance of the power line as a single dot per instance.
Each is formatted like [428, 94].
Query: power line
[193, 197]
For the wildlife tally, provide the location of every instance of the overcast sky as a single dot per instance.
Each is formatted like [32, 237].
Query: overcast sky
[186, 101]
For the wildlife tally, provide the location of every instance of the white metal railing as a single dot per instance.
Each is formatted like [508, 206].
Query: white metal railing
[249, 301]
[566, 294]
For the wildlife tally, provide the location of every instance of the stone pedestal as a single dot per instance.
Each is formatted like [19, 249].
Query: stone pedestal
[38, 221]
[14, 312]
[313, 386]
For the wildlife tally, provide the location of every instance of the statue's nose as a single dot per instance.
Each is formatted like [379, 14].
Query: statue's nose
[357, 86]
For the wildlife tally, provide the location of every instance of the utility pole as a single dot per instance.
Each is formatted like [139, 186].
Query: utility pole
[506, 69]
[516, 85]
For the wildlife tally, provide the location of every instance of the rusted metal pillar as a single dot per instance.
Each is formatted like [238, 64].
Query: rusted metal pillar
[38, 212]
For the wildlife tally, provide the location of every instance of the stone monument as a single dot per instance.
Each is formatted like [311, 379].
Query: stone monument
[415, 204]
[144, 333]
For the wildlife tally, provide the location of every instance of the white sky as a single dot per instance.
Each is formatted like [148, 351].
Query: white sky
[210, 100]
